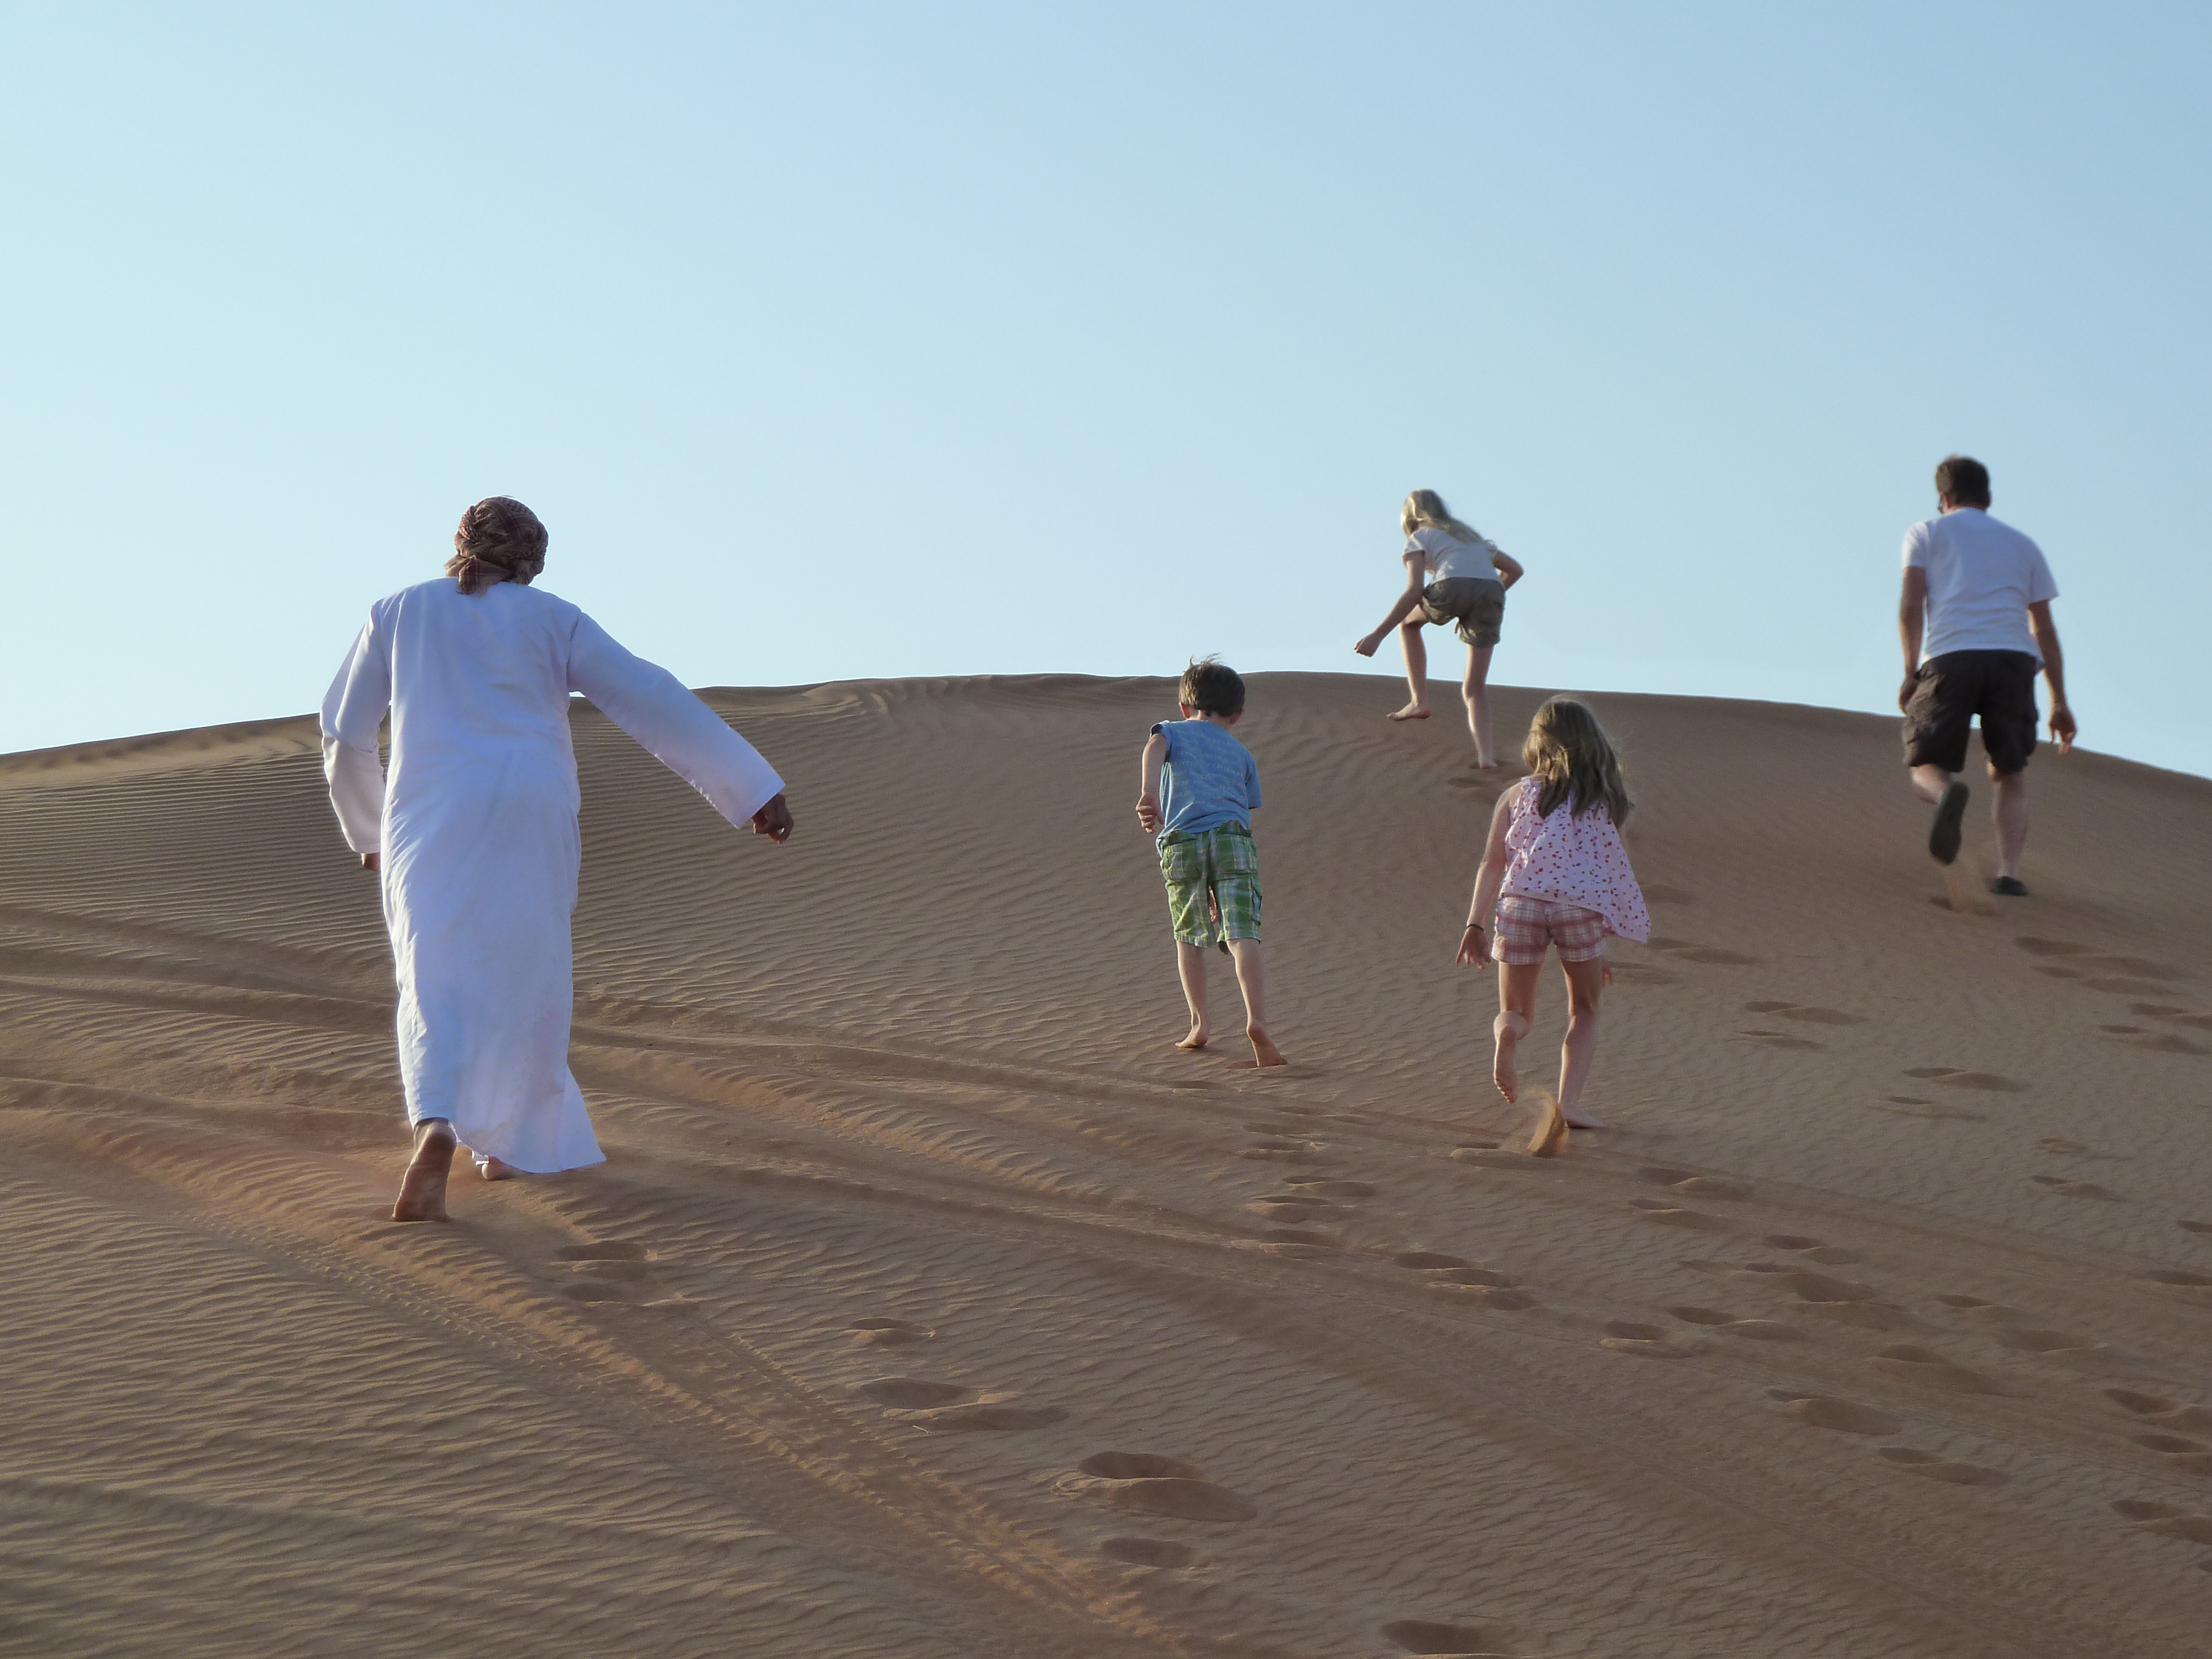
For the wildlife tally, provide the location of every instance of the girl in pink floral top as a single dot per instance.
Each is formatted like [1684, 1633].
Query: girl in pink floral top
[1556, 874]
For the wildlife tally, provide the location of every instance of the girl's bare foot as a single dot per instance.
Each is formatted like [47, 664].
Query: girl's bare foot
[1508, 1028]
[1411, 711]
[1195, 1040]
[1580, 1119]
[423, 1188]
[1264, 1053]
[1550, 1138]
[496, 1169]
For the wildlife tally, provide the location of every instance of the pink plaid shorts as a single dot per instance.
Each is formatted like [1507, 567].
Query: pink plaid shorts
[1526, 926]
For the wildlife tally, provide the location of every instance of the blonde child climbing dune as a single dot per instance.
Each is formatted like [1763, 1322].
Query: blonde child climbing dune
[1453, 574]
[1555, 873]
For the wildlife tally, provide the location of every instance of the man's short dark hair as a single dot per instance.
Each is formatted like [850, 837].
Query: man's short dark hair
[1212, 687]
[1965, 480]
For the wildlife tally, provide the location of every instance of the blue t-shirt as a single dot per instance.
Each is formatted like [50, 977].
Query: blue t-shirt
[1210, 778]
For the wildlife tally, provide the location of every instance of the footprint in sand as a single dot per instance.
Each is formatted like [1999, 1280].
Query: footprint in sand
[1931, 1466]
[1669, 896]
[2178, 1451]
[1624, 1336]
[1688, 1181]
[2159, 1409]
[1812, 1248]
[1689, 950]
[2166, 1011]
[1930, 1370]
[2164, 1519]
[1467, 1151]
[1669, 1215]
[599, 1270]
[888, 1332]
[1758, 1330]
[1149, 1484]
[1282, 1149]
[2062, 1148]
[1838, 1300]
[1151, 1553]
[1926, 1110]
[949, 1406]
[2030, 1339]
[1322, 1186]
[1483, 1638]
[1823, 1411]
[1465, 1280]
[1289, 1208]
[1799, 1011]
[1782, 1039]
[1951, 1077]
[2195, 1226]
[2072, 1189]
[2178, 1280]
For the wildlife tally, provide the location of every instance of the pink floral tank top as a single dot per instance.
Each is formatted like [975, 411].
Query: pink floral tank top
[1577, 860]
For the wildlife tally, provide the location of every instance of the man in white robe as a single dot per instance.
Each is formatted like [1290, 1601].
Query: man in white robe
[474, 833]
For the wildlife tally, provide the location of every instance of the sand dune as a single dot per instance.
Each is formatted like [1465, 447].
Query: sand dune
[931, 1303]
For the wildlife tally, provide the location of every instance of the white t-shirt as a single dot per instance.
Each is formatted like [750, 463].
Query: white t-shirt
[1982, 576]
[1444, 555]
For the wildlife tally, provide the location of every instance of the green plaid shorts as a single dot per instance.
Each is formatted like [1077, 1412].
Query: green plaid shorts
[1222, 864]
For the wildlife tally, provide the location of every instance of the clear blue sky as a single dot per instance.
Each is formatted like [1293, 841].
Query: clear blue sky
[838, 341]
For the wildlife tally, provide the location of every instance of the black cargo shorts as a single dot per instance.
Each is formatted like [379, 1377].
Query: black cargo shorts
[1999, 686]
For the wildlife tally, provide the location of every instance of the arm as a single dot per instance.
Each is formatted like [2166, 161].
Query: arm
[1508, 567]
[352, 711]
[1148, 783]
[680, 732]
[1912, 625]
[1475, 940]
[2054, 670]
[1416, 580]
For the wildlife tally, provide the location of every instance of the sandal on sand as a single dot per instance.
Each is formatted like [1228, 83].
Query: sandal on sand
[1943, 834]
[2009, 887]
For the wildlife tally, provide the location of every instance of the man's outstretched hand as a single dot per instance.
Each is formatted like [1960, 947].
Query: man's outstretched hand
[774, 820]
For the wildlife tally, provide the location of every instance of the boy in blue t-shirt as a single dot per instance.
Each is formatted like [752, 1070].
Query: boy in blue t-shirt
[1204, 839]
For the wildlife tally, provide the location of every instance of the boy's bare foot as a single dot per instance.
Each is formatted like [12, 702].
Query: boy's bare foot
[423, 1188]
[1411, 711]
[1195, 1040]
[1264, 1053]
[1551, 1137]
[1508, 1028]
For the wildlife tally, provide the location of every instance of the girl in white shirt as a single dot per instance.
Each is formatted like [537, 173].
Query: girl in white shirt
[1453, 574]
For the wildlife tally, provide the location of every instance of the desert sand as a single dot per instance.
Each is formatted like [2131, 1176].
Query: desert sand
[931, 1303]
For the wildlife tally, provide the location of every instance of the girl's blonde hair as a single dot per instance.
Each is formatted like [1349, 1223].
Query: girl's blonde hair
[1425, 510]
[1571, 752]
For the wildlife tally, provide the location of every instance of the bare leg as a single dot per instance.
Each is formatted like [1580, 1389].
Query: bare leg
[2012, 819]
[1252, 980]
[1928, 782]
[423, 1188]
[1190, 964]
[1417, 668]
[1516, 1008]
[1584, 981]
[1477, 693]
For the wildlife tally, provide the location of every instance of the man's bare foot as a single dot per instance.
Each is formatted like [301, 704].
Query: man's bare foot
[1551, 1137]
[1264, 1053]
[1411, 711]
[1579, 1119]
[1195, 1040]
[423, 1188]
[1508, 1028]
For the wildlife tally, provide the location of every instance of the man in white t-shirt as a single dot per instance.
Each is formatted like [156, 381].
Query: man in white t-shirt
[1977, 607]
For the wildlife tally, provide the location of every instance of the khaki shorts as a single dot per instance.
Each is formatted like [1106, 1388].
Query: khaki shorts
[1477, 605]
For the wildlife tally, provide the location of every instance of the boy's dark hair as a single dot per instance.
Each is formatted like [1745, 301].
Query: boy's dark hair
[1965, 480]
[1212, 687]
